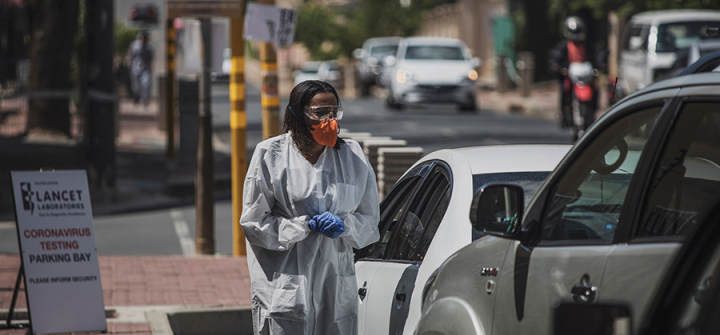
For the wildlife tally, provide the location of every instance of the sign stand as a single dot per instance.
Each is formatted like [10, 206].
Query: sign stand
[58, 254]
[8, 322]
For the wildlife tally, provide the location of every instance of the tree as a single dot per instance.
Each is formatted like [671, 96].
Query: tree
[53, 24]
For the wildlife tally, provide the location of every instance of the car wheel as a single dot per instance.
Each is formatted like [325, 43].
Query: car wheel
[469, 108]
[392, 104]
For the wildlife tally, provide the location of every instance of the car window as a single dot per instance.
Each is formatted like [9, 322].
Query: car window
[678, 35]
[416, 230]
[636, 32]
[686, 182]
[383, 50]
[392, 209]
[434, 52]
[586, 201]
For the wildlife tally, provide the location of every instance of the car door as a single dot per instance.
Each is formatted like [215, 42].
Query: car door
[389, 293]
[684, 185]
[633, 58]
[576, 227]
[371, 257]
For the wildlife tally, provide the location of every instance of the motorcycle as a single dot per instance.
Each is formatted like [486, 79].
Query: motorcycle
[581, 78]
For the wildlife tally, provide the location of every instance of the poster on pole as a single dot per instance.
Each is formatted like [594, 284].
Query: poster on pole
[57, 246]
[270, 24]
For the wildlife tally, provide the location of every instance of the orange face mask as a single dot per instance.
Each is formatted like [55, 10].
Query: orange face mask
[325, 133]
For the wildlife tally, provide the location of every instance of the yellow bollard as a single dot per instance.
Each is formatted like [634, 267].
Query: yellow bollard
[238, 127]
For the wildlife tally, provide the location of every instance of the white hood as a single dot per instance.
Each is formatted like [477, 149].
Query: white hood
[436, 71]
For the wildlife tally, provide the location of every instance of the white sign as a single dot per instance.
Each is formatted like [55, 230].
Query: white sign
[270, 24]
[57, 243]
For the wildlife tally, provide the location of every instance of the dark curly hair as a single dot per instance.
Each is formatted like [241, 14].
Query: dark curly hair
[299, 99]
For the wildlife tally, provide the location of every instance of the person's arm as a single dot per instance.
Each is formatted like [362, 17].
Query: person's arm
[260, 225]
[361, 226]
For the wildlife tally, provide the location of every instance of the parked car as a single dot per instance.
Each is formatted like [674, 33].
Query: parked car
[327, 71]
[424, 219]
[689, 55]
[370, 60]
[687, 302]
[605, 224]
[651, 42]
[431, 70]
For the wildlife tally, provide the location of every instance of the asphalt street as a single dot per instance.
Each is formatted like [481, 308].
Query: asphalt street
[172, 231]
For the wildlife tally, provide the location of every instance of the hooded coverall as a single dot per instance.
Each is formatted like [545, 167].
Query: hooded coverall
[304, 282]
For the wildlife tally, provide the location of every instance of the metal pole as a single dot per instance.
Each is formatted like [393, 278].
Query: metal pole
[204, 179]
[170, 88]
[269, 98]
[238, 127]
[15, 295]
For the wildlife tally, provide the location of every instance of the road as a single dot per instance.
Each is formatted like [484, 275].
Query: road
[171, 232]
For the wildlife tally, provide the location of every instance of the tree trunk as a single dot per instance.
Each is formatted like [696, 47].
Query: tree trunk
[54, 24]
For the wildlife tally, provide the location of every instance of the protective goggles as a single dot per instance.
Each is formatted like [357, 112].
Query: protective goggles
[322, 113]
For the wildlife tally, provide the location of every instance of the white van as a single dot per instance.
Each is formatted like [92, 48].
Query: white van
[652, 39]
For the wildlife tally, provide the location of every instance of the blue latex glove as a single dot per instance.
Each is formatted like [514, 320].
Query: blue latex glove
[314, 225]
[328, 224]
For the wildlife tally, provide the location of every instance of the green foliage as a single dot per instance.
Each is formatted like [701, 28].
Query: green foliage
[329, 31]
[124, 36]
[601, 8]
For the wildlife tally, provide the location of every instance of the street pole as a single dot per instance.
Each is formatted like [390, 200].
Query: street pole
[269, 98]
[238, 127]
[170, 88]
[204, 180]
[101, 89]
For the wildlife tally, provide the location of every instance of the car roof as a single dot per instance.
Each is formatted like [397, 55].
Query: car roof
[507, 158]
[382, 40]
[675, 15]
[431, 40]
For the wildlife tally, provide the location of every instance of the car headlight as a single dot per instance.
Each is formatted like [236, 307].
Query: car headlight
[403, 76]
[472, 75]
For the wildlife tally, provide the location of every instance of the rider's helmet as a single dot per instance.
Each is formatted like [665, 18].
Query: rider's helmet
[574, 29]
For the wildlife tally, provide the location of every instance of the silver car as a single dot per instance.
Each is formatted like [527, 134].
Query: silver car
[603, 227]
[432, 70]
[370, 60]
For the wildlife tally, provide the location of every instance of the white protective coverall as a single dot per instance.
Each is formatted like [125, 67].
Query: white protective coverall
[303, 282]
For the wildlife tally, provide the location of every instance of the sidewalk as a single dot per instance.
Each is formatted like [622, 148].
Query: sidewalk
[135, 289]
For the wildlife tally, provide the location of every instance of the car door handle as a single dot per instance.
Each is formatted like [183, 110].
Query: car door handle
[400, 296]
[584, 293]
[362, 293]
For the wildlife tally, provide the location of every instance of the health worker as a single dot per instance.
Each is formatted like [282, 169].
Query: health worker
[309, 199]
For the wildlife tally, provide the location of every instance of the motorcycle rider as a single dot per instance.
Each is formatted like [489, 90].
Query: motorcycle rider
[572, 49]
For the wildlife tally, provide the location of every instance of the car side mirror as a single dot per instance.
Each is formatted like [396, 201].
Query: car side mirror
[389, 60]
[476, 62]
[497, 209]
[357, 53]
[591, 319]
[636, 43]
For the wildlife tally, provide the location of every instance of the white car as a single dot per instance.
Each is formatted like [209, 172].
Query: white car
[652, 40]
[425, 218]
[431, 70]
[327, 71]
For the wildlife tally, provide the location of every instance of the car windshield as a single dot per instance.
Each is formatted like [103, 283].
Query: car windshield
[383, 50]
[434, 52]
[310, 69]
[678, 35]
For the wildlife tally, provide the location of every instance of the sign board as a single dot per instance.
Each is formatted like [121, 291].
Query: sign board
[270, 24]
[57, 244]
[204, 8]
